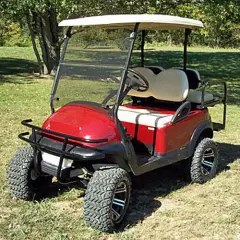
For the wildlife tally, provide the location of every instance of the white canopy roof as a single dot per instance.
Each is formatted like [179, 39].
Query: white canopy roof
[127, 21]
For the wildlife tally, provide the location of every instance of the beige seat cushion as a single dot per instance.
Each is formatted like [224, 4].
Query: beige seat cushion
[169, 85]
[143, 117]
[196, 96]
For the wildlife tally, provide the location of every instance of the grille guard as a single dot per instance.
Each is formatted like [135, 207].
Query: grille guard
[69, 146]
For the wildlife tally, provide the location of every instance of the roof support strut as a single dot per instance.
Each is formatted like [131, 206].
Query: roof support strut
[187, 33]
[125, 71]
[142, 47]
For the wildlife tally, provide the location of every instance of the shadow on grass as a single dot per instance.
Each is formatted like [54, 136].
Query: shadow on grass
[14, 70]
[15, 66]
[56, 189]
[228, 154]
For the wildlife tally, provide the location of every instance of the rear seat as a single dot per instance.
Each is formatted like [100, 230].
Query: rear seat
[195, 96]
[194, 80]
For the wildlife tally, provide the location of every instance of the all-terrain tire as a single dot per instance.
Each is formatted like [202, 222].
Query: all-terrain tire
[198, 171]
[99, 197]
[19, 176]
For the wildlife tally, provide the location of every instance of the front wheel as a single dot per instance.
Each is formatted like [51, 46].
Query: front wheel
[107, 199]
[23, 182]
[205, 161]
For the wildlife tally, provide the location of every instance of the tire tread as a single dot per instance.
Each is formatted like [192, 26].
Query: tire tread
[195, 170]
[98, 197]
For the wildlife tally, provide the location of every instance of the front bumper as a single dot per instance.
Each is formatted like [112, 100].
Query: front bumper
[60, 146]
[51, 168]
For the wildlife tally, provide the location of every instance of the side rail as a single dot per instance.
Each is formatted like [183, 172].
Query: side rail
[217, 100]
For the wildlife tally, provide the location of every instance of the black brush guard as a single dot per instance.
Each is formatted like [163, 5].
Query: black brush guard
[69, 147]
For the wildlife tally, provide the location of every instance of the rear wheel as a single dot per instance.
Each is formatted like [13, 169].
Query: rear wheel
[205, 161]
[23, 181]
[107, 199]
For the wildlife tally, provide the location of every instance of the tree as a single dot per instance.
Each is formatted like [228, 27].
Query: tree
[223, 22]
[42, 20]
[8, 31]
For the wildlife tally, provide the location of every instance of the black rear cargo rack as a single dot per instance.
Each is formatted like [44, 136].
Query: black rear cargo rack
[221, 100]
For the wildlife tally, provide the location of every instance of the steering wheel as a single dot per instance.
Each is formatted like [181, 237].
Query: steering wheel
[136, 81]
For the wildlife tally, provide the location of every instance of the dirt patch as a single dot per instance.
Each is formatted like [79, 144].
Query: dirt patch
[168, 205]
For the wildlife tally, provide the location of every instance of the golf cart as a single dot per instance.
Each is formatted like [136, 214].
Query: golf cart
[150, 117]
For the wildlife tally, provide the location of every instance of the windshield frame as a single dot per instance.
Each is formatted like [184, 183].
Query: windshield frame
[122, 81]
[57, 75]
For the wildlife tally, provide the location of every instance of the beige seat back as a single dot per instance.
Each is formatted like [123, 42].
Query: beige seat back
[169, 85]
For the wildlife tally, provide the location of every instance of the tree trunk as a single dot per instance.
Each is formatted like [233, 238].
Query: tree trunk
[32, 34]
[49, 41]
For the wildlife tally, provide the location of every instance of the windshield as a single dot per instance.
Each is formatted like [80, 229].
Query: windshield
[92, 66]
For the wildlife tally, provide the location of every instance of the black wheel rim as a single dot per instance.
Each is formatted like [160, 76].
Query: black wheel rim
[119, 202]
[208, 161]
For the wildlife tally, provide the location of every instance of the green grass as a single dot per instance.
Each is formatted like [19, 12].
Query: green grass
[163, 205]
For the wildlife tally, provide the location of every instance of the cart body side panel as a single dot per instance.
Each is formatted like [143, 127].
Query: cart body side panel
[170, 137]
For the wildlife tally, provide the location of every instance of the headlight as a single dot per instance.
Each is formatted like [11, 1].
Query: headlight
[54, 160]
